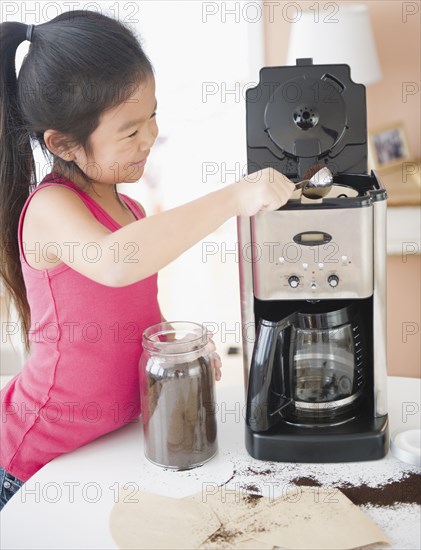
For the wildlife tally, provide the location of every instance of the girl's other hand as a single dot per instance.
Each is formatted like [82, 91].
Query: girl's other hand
[266, 189]
[209, 349]
[215, 358]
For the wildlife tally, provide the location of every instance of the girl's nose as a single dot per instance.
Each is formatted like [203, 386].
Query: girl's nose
[149, 136]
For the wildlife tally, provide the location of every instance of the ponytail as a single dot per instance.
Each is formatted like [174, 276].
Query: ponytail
[17, 171]
[73, 53]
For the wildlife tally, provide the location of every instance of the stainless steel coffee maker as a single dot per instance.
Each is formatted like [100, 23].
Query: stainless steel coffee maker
[312, 275]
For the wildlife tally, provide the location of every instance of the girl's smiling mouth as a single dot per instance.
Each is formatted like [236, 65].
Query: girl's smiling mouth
[140, 163]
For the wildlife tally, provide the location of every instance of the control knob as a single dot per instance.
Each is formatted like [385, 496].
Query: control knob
[293, 281]
[333, 280]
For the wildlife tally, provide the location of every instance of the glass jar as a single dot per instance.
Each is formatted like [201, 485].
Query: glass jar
[177, 388]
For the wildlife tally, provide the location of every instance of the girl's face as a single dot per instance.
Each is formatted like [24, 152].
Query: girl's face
[119, 146]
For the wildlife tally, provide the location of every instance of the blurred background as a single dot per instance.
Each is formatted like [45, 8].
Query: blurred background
[205, 56]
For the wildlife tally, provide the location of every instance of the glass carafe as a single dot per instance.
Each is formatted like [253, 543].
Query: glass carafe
[307, 369]
[326, 374]
[178, 396]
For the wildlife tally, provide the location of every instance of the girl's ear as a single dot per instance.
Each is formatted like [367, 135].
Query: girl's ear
[59, 145]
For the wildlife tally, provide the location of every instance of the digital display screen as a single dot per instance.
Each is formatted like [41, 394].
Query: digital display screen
[313, 237]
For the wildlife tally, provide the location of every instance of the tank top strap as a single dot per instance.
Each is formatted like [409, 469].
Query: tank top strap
[93, 206]
[98, 212]
[134, 207]
[90, 203]
[46, 182]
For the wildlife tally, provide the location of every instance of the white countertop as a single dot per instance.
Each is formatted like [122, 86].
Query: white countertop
[66, 505]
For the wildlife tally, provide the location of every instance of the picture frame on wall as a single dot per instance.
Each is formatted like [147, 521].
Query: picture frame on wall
[388, 147]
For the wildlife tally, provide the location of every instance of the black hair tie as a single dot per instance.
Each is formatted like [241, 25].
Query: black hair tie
[29, 31]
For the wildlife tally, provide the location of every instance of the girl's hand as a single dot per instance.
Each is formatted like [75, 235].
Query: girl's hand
[214, 356]
[266, 189]
[209, 349]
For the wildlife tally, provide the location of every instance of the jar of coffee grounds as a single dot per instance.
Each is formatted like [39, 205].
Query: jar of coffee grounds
[178, 395]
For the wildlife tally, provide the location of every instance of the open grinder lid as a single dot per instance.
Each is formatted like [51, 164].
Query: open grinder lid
[305, 114]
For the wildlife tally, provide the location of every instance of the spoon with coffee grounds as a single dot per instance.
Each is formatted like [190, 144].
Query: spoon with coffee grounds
[317, 182]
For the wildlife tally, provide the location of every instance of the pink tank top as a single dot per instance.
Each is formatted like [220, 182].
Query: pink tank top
[80, 380]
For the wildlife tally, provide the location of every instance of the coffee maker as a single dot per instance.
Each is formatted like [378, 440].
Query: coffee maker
[313, 275]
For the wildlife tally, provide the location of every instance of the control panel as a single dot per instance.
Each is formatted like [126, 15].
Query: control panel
[314, 254]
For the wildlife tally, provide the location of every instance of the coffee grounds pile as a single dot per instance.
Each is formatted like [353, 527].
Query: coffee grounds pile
[405, 491]
[223, 535]
[306, 482]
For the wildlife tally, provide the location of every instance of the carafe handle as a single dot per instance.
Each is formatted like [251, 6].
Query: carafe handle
[263, 404]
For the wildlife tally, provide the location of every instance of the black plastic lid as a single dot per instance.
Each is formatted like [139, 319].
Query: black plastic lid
[306, 114]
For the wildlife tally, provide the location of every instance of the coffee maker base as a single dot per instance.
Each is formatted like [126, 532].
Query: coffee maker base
[358, 440]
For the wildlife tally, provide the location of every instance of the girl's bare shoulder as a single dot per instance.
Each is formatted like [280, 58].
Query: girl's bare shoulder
[57, 203]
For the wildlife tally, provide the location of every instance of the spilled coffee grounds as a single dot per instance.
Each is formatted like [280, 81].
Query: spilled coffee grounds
[306, 482]
[223, 535]
[252, 499]
[404, 491]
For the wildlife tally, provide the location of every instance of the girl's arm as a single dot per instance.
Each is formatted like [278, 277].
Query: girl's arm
[143, 247]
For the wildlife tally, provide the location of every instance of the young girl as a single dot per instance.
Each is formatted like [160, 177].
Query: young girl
[80, 259]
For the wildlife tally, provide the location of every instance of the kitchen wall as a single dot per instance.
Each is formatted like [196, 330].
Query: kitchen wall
[397, 36]
[403, 319]
[396, 27]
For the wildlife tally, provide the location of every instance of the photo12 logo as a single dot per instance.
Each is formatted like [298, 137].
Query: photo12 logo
[41, 12]
[268, 11]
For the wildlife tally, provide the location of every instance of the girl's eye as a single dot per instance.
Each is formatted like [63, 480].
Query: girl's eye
[153, 115]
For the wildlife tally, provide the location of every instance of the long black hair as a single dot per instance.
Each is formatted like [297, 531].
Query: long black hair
[78, 65]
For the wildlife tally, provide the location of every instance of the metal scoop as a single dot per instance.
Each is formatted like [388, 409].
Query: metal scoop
[318, 185]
